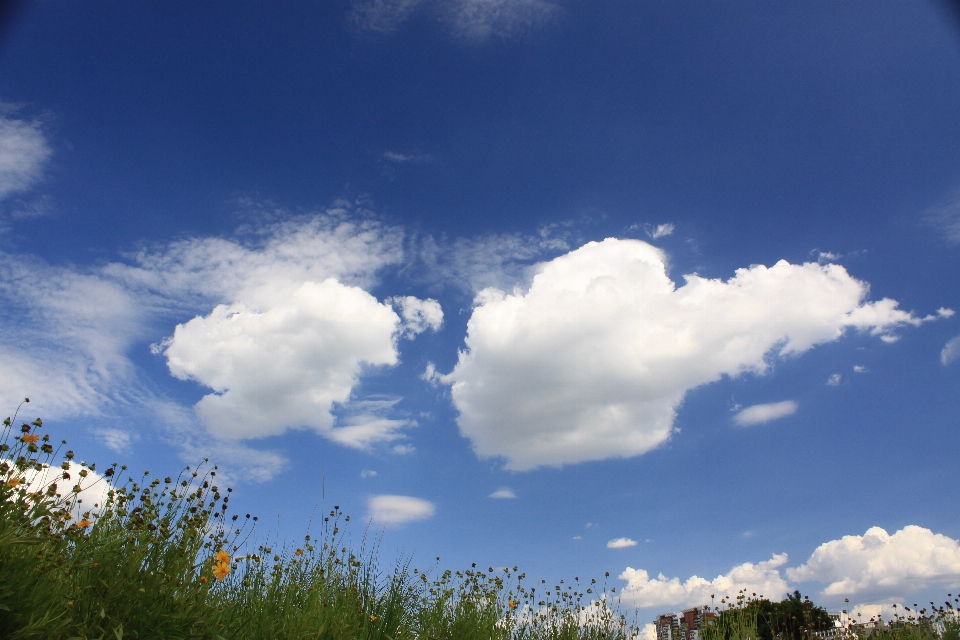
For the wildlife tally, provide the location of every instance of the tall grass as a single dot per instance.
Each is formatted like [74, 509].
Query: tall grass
[161, 558]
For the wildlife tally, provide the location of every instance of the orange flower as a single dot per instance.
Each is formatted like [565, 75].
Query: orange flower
[221, 570]
[31, 438]
[298, 552]
[513, 605]
[204, 579]
[222, 556]
[85, 523]
[13, 482]
[373, 618]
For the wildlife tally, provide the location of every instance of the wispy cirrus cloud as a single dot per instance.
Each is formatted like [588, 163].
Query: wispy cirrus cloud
[24, 150]
[472, 20]
[276, 322]
[946, 216]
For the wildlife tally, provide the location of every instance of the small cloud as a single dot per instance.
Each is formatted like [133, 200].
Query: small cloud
[418, 315]
[621, 543]
[747, 534]
[951, 351]
[578, 537]
[430, 375]
[399, 509]
[659, 231]
[503, 493]
[859, 368]
[24, 150]
[943, 312]
[760, 413]
[367, 473]
[114, 439]
[589, 525]
[834, 380]
[824, 257]
[405, 157]
[404, 449]
[946, 216]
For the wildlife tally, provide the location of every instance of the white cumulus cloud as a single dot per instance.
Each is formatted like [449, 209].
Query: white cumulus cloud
[621, 543]
[592, 360]
[394, 510]
[284, 367]
[760, 413]
[877, 565]
[649, 632]
[880, 563]
[762, 578]
[93, 487]
[503, 493]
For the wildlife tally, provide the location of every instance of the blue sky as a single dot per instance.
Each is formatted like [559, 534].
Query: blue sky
[654, 288]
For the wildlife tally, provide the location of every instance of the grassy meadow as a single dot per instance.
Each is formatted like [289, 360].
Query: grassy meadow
[164, 557]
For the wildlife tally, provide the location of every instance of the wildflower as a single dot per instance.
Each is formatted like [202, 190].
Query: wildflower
[31, 438]
[373, 618]
[513, 605]
[222, 556]
[203, 579]
[13, 482]
[221, 570]
[84, 523]
[298, 552]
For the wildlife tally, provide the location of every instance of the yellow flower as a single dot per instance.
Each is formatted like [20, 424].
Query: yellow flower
[13, 482]
[373, 618]
[85, 523]
[298, 552]
[513, 605]
[31, 438]
[222, 556]
[221, 570]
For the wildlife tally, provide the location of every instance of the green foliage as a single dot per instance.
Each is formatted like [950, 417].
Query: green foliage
[793, 618]
[159, 559]
[737, 621]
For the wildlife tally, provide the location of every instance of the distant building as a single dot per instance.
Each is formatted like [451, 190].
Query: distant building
[685, 625]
